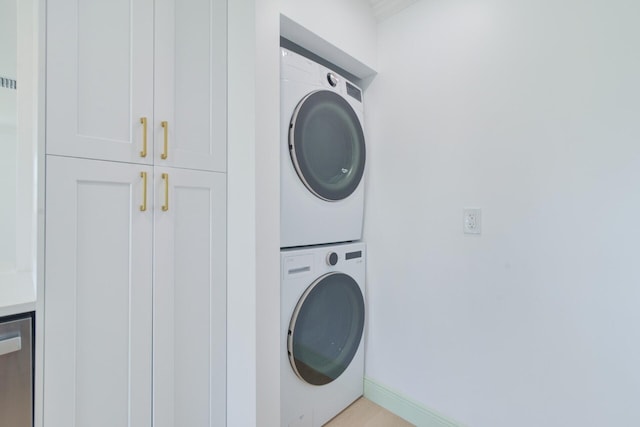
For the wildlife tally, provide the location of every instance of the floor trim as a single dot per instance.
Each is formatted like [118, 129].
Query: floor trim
[404, 407]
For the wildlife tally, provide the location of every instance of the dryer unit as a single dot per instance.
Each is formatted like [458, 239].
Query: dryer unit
[322, 323]
[322, 154]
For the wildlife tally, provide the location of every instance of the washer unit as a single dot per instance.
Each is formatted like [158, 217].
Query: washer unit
[322, 323]
[322, 155]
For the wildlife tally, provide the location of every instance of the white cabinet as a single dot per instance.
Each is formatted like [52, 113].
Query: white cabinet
[189, 378]
[135, 295]
[135, 274]
[99, 78]
[138, 81]
[98, 295]
[190, 84]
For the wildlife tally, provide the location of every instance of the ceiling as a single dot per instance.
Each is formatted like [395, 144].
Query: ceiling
[383, 9]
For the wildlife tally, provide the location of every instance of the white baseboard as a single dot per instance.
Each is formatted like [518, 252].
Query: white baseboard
[404, 407]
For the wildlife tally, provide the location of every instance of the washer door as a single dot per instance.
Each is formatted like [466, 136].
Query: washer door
[326, 328]
[326, 143]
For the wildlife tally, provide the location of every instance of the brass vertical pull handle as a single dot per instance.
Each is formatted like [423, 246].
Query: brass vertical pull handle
[165, 152]
[165, 177]
[143, 206]
[143, 153]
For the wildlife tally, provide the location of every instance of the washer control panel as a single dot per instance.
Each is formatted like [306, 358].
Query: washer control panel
[332, 79]
[332, 258]
[299, 263]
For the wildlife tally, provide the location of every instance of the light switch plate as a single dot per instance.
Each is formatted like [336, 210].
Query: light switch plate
[472, 221]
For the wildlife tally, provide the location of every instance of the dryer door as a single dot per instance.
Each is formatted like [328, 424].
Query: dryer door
[326, 328]
[326, 143]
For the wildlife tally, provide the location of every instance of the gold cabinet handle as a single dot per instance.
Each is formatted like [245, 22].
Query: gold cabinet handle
[143, 206]
[165, 152]
[165, 177]
[143, 153]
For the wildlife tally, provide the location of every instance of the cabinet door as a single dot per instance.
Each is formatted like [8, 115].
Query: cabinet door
[100, 79]
[189, 298]
[190, 84]
[98, 295]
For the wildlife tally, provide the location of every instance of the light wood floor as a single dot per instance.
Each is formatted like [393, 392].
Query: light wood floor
[365, 413]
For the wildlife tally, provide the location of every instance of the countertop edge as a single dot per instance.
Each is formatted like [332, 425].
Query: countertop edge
[17, 293]
[19, 308]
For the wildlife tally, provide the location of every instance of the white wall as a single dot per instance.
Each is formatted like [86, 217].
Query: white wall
[253, 214]
[267, 74]
[348, 25]
[18, 133]
[7, 189]
[241, 222]
[8, 139]
[8, 39]
[27, 137]
[528, 109]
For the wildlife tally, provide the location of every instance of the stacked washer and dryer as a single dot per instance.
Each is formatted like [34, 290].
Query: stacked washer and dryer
[322, 258]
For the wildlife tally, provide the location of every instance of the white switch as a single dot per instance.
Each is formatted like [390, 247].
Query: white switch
[472, 220]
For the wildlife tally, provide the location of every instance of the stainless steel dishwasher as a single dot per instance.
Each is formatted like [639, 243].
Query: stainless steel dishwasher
[16, 371]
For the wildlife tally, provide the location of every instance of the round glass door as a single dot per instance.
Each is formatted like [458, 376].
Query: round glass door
[326, 328]
[326, 143]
